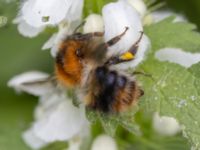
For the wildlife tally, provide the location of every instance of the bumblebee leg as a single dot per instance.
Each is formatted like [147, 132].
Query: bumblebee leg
[102, 48]
[79, 26]
[134, 47]
[86, 37]
[115, 39]
[142, 73]
[93, 34]
[127, 56]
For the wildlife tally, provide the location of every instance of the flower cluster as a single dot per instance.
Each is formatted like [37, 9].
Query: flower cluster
[56, 118]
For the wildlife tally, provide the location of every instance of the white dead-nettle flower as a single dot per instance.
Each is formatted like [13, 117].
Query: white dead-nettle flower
[164, 125]
[115, 23]
[104, 142]
[113, 26]
[178, 56]
[39, 13]
[18, 83]
[94, 23]
[56, 118]
[35, 15]
[162, 14]
[25, 29]
[139, 5]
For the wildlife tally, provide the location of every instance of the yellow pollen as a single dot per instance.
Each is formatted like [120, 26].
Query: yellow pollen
[127, 56]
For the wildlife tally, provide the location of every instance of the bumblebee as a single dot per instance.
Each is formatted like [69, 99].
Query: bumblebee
[82, 63]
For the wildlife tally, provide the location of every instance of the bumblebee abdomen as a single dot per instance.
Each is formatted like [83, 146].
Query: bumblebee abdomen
[112, 92]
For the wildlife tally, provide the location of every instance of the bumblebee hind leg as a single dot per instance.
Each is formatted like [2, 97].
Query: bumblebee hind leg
[127, 56]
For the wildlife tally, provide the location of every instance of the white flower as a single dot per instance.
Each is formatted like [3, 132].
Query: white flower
[35, 15]
[38, 13]
[115, 23]
[178, 56]
[139, 5]
[25, 29]
[19, 83]
[56, 39]
[164, 125]
[162, 14]
[104, 142]
[56, 118]
[94, 23]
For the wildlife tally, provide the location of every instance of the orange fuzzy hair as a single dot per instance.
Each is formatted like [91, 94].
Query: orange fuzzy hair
[68, 64]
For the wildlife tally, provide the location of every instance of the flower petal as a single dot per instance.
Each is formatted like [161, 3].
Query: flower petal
[75, 11]
[139, 5]
[166, 125]
[32, 140]
[178, 56]
[50, 43]
[34, 82]
[104, 142]
[162, 14]
[25, 29]
[62, 121]
[94, 23]
[38, 13]
[115, 23]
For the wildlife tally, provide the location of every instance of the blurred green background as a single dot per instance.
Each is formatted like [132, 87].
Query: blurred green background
[19, 54]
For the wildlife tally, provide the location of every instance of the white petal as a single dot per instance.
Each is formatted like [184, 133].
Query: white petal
[50, 43]
[166, 125]
[25, 29]
[30, 82]
[144, 45]
[115, 23]
[104, 142]
[74, 145]
[38, 13]
[178, 56]
[60, 36]
[75, 11]
[79, 140]
[61, 122]
[139, 5]
[32, 140]
[162, 14]
[94, 23]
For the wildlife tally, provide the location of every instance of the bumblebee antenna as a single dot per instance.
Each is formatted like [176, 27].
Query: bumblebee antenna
[79, 26]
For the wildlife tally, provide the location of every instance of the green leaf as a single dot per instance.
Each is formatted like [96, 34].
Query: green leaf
[56, 146]
[173, 90]
[94, 6]
[149, 140]
[169, 34]
[110, 122]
